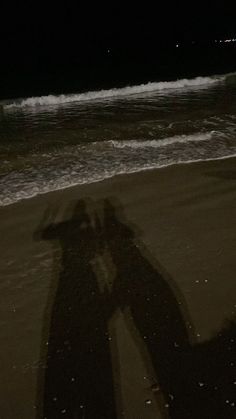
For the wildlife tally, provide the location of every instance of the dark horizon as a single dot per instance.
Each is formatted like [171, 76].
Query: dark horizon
[87, 47]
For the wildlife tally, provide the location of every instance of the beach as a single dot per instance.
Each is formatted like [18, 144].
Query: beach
[117, 290]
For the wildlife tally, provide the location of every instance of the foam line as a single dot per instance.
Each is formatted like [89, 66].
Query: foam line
[165, 142]
[113, 93]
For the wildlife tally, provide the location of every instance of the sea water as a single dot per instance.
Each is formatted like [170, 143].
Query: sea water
[54, 142]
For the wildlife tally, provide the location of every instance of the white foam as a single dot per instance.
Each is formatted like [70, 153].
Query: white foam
[165, 142]
[113, 93]
[103, 160]
[21, 195]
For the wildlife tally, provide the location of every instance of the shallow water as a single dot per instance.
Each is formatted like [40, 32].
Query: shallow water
[55, 142]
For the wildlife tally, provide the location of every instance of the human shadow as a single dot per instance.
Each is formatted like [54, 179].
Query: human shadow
[78, 380]
[196, 380]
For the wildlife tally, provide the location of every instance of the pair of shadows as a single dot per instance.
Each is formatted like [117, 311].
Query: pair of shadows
[195, 380]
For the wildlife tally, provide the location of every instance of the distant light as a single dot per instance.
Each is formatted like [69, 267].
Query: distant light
[225, 41]
[177, 45]
[108, 51]
[230, 40]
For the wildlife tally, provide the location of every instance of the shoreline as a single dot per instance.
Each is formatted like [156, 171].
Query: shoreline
[122, 175]
[170, 231]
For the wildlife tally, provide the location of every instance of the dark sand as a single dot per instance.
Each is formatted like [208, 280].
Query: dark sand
[118, 298]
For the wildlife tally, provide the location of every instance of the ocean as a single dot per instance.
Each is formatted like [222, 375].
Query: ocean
[53, 142]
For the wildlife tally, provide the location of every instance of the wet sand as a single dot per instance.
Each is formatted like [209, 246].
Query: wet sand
[118, 298]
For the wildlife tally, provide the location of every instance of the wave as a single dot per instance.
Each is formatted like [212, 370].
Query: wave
[116, 92]
[36, 190]
[165, 142]
[99, 160]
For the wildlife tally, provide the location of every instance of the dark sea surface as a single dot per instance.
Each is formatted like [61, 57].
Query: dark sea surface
[57, 141]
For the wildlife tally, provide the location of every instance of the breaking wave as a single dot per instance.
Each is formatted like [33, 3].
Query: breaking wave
[99, 160]
[116, 92]
[164, 142]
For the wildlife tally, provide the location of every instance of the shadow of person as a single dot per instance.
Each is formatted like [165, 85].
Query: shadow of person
[78, 380]
[196, 380]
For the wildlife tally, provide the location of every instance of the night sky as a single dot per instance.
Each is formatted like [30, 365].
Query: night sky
[59, 45]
